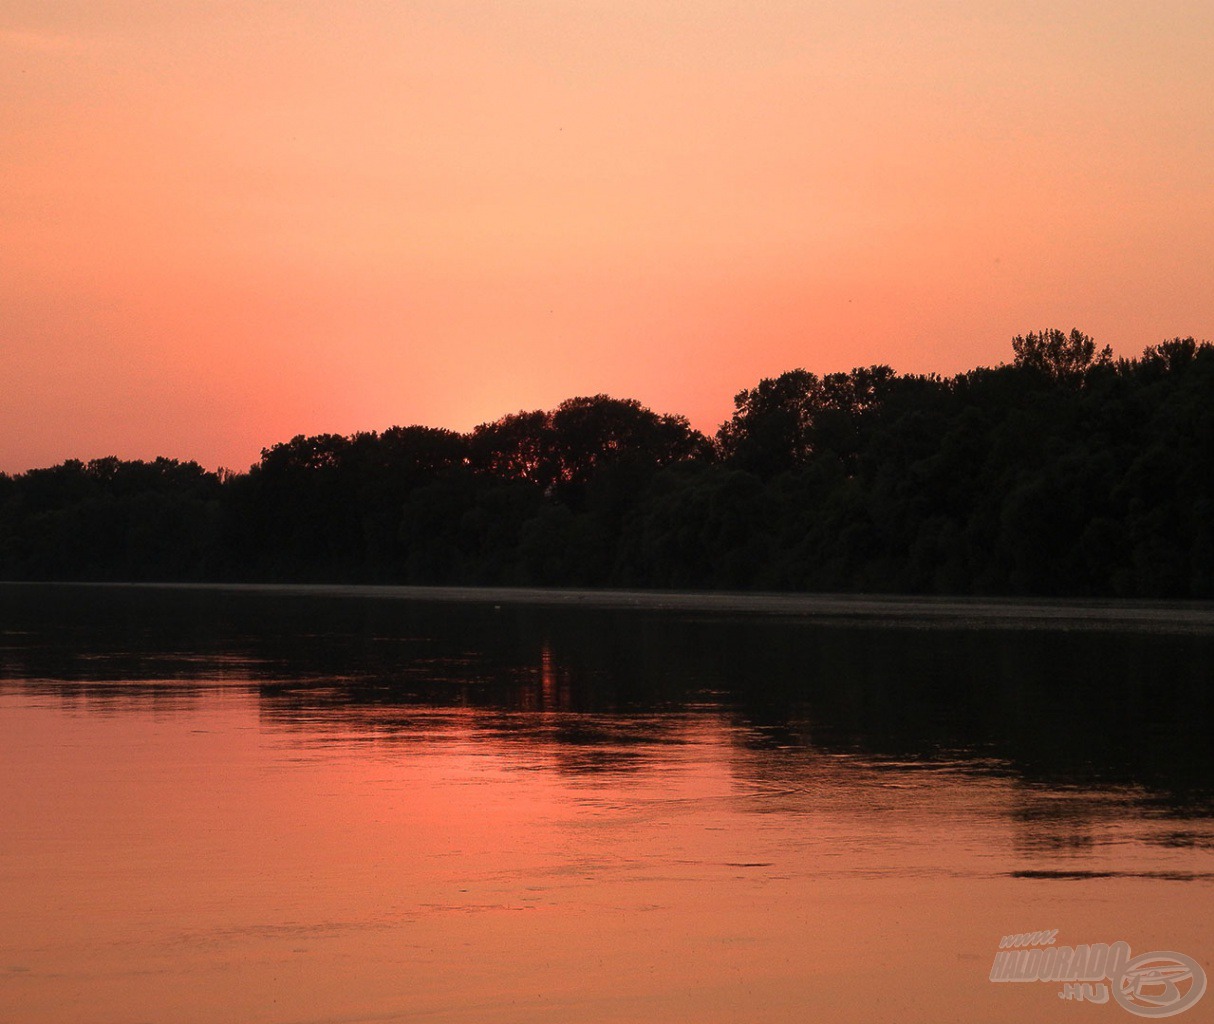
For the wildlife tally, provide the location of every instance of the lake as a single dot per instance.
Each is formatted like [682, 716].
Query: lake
[322, 805]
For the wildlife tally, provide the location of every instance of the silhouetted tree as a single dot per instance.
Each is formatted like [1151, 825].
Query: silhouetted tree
[1065, 358]
[771, 428]
[1064, 473]
[516, 447]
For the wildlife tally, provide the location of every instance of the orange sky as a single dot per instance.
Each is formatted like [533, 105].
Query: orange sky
[225, 223]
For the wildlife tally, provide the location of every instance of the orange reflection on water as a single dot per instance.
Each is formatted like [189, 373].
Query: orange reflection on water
[207, 861]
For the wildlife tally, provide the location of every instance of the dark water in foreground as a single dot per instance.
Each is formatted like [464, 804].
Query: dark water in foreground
[289, 807]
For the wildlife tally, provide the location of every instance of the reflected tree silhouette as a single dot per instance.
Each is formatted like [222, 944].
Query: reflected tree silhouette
[1104, 708]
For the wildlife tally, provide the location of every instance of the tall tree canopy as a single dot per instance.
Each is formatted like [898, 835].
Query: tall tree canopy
[1065, 472]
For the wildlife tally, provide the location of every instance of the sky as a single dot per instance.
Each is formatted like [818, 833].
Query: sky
[226, 223]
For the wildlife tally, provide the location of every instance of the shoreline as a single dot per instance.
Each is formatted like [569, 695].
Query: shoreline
[906, 610]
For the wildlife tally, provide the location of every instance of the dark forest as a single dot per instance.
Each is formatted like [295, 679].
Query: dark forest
[1064, 473]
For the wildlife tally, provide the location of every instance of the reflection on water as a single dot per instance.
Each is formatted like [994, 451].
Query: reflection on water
[277, 807]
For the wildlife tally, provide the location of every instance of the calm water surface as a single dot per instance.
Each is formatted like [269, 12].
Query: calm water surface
[296, 807]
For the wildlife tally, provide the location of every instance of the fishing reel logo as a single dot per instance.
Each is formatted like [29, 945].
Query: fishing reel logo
[1155, 985]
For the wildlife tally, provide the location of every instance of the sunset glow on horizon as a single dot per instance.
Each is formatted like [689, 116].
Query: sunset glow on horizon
[224, 224]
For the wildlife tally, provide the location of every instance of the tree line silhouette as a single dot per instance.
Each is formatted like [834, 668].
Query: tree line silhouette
[1066, 472]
